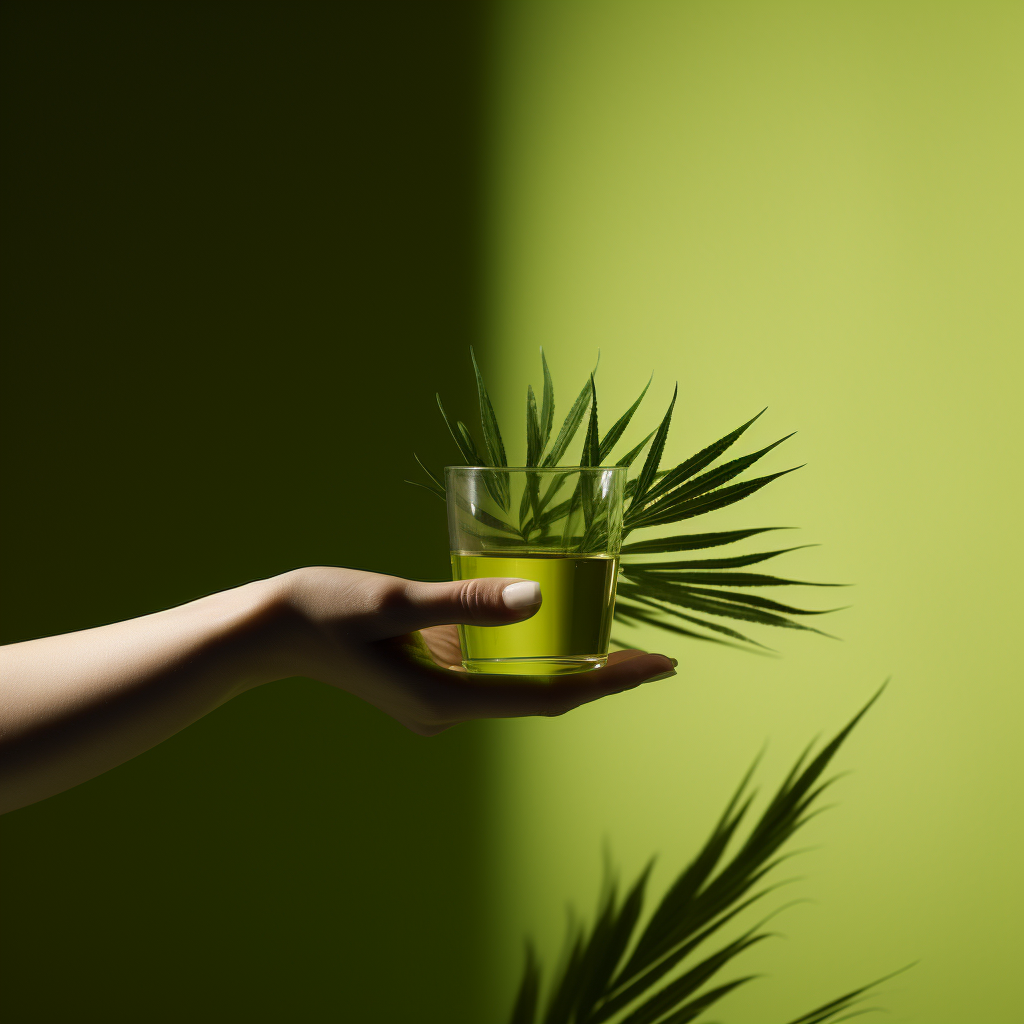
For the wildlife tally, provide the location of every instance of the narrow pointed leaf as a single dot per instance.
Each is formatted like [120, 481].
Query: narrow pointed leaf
[591, 446]
[461, 438]
[671, 504]
[534, 435]
[713, 563]
[674, 594]
[437, 492]
[687, 509]
[630, 456]
[704, 458]
[488, 421]
[712, 479]
[625, 612]
[433, 479]
[470, 445]
[610, 439]
[647, 474]
[485, 517]
[569, 427]
[757, 601]
[692, 541]
[726, 579]
[497, 484]
[715, 627]
[547, 409]
[591, 457]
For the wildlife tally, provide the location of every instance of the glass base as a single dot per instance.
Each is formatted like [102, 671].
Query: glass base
[566, 665]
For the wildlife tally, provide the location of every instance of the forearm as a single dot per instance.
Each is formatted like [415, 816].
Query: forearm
[74, 706]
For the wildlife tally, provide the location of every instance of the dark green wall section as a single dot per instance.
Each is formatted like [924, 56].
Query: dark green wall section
[241, 251]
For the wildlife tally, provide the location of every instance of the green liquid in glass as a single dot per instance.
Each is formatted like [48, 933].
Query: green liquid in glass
[570, 631]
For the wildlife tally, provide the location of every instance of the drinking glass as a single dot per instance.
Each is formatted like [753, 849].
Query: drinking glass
[559, 526]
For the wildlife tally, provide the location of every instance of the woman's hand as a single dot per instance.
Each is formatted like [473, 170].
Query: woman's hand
[76, 705]
[358, 631]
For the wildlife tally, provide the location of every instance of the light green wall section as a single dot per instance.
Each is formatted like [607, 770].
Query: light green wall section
[813, 207]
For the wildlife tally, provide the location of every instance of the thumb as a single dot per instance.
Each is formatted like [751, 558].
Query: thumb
[489, 601]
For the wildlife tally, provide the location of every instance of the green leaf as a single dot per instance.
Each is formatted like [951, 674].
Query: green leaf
[461, 437]
[713, 563]
[630, 456]
[591, 457]
[690, 507]
[704, 458]
[534, 434]
[626, 612]
[712, 479]
[692, 541]
[757, 601]
[557, 512]
[488, 421]
[439, 493]
[611, 438]
[591, 446]
[724, 579]
[497, 484]
[655, 497]
[482, 516]
[647, 474]
[715, 627]
[683, 596]
[547, 410]
[569, 427]
[467, 440]
[433, 479]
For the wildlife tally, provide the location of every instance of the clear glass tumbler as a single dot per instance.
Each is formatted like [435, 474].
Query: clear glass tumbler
[559, 526]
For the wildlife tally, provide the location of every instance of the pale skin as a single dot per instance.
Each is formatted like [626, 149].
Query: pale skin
[77, 705]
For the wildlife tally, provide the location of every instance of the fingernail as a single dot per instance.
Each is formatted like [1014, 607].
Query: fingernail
[524, 594]
[664, 675]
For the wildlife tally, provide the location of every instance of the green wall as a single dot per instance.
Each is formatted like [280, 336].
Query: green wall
[814, 207]
[242, 251]
[241, 247]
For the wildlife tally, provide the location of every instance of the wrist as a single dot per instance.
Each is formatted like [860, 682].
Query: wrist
[249, 632]
[279, 640]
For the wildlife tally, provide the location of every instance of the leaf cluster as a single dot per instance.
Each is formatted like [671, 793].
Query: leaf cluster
[666, 970]
[685, 596]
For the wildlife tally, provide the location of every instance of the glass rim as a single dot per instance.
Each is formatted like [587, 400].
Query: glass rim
[542, 469]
